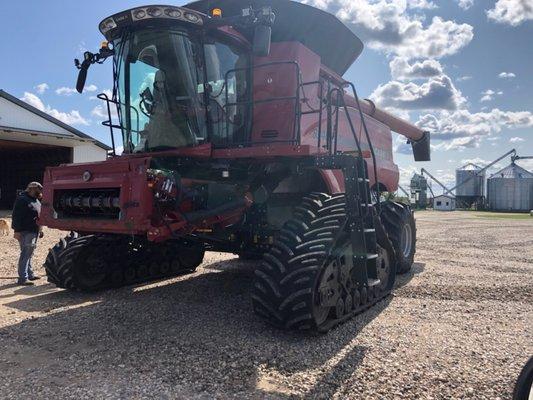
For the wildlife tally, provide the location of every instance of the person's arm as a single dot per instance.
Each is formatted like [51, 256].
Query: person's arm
[16, 215]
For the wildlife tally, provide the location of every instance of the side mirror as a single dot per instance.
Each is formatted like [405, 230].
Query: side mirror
[262, 40]
[83, 67]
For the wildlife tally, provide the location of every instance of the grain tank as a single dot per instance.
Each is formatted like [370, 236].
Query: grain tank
[470, 183]
[510, 189]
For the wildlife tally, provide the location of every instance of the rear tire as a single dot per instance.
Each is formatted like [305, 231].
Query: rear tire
[399, 222]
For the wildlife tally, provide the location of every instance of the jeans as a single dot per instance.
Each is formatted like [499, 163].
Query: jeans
[28, 242]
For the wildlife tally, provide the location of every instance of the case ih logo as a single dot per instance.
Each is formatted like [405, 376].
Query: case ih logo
[86, 176]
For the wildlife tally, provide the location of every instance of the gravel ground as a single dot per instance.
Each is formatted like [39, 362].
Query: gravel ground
[459, 326]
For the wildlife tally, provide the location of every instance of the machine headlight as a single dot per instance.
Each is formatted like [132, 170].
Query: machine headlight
[155, 12]
[139, 14]
[107, 25]
[173, 12]
[192, 17]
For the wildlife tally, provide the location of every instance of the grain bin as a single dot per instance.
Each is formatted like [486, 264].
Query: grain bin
[419, 188]
[470, 183]
[511, 189]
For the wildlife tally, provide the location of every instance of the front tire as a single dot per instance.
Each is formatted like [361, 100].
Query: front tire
[399, 222]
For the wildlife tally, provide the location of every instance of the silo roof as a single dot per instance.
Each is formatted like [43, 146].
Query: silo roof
[470, 167]
[513, 171]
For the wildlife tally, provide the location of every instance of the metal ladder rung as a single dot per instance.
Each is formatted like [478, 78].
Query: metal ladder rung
[367, 204]
[363, 180]
[370, 256]
[369, 230]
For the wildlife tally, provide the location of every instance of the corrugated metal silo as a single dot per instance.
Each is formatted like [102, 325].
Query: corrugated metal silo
[474, 185]
[511, 189]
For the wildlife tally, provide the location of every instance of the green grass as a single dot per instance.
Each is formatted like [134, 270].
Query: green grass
[504, 215]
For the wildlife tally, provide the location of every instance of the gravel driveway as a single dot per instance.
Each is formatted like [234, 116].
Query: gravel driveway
[459, 326]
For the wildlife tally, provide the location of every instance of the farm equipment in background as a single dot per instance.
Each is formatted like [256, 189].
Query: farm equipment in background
[240, 135]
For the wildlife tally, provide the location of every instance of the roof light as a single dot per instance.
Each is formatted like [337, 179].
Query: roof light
[107, 25]
[155, 11]
[192, 17]
[216, 13]
[173, 12]
[139, 14]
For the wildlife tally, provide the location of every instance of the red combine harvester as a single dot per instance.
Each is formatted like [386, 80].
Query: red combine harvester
[240, 135]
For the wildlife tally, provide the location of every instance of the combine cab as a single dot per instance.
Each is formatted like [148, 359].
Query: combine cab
[239, 135]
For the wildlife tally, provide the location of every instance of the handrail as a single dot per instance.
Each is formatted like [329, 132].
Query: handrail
[109, 122]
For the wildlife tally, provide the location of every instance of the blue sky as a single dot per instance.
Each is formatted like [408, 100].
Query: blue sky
[460, 68]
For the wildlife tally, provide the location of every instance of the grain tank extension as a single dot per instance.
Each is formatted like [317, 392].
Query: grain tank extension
[239, 135]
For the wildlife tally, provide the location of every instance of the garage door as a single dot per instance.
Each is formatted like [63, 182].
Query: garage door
[21, 163]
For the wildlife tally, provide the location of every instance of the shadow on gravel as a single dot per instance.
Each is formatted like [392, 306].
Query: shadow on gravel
[198, 331]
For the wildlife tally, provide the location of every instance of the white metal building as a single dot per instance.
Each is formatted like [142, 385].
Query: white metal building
[31, 140]
[444, 203]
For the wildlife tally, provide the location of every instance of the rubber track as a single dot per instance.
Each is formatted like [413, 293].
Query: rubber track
[285, 281]
[126, 263]
[393, 215]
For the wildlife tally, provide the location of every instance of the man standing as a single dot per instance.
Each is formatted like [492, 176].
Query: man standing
[25, 215]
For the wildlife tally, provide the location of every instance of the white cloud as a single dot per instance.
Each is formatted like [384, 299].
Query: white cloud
[67, 91]
[421, 4]
[465, 4]
[438, 93]
[101, 112]
[401, 69]
[507, 75]
[388, 26]
[489, 95]
[511, 12]
[464, 78]
[71, 118]
[457, 144]
[527, 164]
[477, 161]
[461, 129]
[516, 139]
[41, 88]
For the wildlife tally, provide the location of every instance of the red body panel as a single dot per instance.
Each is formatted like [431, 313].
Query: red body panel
[129, 175]
[273, 136]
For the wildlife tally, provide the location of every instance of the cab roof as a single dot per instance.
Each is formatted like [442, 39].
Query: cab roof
[321, 32]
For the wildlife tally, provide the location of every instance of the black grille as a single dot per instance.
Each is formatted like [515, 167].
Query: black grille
[87, 203]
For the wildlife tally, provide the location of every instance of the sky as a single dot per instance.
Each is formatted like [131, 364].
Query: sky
[462, 69]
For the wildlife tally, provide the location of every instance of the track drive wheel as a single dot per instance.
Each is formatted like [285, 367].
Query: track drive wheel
[399, 222]
[297, 284]
[50, 264]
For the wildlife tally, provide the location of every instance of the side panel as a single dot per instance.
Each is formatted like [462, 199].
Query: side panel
[275, 120]
[381, 138]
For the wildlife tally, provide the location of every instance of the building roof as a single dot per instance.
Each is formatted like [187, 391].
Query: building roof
[513, 171]
[320, 31]
[51, 119]
[445, 195]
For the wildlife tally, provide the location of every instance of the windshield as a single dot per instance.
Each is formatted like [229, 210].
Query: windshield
[175, 91]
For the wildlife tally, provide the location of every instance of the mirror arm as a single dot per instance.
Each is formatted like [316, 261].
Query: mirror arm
[89, 59]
